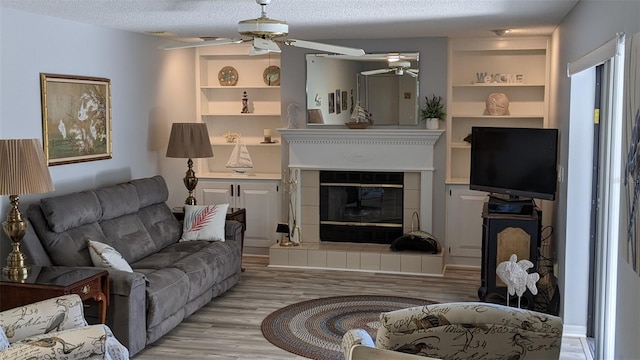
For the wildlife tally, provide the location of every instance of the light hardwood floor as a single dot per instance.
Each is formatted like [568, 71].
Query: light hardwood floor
[229, 326]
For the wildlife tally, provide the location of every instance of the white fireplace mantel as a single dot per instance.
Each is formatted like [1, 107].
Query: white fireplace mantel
[361, 149]
[402, 150]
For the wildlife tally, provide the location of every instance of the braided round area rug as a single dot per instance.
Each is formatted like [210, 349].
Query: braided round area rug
[314, 328]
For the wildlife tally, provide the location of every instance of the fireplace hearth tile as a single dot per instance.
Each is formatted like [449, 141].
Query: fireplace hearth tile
[336, 259]
[389, 262]
[353, 260]
[356, 257]
[369, 261]
[411, 263]
[298, 256]
[317, 258]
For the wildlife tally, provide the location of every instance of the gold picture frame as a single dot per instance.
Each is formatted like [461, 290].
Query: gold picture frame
[76, 118]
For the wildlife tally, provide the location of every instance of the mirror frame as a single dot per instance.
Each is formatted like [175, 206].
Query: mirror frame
[341, 80]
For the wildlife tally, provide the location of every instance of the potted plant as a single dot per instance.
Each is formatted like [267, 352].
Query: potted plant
[433, 111]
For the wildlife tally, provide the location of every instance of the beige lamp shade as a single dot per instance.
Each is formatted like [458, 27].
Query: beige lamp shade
[23, 168]
[189, 141]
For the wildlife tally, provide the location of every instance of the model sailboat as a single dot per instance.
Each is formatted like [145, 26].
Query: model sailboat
[240, 160]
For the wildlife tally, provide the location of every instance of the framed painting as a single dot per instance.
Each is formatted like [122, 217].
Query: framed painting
[338, 106]
[76, 118]
[332, 103]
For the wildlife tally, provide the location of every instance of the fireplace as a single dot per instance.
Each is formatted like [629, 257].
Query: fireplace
[361, 207]
[378, 151]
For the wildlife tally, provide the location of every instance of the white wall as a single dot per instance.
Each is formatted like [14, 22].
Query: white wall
[588, 25]
[150, 89]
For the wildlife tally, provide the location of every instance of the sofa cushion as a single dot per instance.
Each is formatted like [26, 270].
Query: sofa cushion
[118, 200]
[162, 226]
[151, 190]
[128, 235]
[204, 222]
[103, 255]
[69, 211]
[205, 265]
[68, 248]
[167, 291]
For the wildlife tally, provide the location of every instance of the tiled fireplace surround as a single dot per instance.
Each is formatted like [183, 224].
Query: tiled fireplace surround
[401, 150]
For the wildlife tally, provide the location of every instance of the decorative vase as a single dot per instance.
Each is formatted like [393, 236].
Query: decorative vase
[497, 104]
[432, 123]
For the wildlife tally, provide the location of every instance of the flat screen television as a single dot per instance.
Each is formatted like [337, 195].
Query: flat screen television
[517, 162]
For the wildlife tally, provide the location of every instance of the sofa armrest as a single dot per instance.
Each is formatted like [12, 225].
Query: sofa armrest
[361, 352]
[355, 337]
[78, 343]
[126, 314]
[42, 317]
[233, 230]
[123, 282]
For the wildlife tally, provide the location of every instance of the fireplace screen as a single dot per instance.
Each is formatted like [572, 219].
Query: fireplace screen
[361, 206]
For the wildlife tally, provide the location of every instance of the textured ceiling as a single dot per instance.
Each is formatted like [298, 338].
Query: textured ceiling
[313, 20]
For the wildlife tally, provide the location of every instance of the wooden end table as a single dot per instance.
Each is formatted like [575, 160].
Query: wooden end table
[46, 282]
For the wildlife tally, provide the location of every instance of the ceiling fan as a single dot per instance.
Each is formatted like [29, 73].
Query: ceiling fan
[399, 67]
[265, 33]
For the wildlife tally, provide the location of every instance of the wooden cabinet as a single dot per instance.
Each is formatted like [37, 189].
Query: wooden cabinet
[220, 107]
[516, 67]
[260, 198]
[502, 236]
[464, 225]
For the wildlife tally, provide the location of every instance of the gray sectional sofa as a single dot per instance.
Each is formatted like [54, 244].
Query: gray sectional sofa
[170, 279]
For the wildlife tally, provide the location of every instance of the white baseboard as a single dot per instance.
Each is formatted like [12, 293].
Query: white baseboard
[574, 330]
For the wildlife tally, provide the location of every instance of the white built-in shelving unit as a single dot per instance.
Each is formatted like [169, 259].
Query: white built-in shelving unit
[517, 67]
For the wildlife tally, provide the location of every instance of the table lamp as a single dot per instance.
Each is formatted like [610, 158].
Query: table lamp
[189, 141]
[23, 170]
[282, 229]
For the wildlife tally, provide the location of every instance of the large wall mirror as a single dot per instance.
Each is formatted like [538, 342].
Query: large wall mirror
[385, 84]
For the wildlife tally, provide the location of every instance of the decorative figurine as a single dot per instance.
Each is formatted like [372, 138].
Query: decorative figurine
[245, 103]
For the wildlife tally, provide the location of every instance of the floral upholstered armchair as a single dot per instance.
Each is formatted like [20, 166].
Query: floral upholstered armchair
[55, 329]
[464, 330]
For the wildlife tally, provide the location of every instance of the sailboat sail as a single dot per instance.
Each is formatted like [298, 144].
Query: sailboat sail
[240, 160]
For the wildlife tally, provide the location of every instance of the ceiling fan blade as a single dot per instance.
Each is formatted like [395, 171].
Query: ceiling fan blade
[374, 72]
[201, 43]
[265, 44]
[412, 72]
[325, 47]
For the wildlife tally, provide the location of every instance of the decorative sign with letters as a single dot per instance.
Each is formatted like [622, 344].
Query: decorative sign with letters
[488, 78]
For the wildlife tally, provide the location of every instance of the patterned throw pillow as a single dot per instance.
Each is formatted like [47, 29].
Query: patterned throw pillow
[103, 255]
[204, 222]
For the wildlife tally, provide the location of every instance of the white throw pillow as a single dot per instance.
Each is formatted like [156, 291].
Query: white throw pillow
[204, 222]
[103, 255]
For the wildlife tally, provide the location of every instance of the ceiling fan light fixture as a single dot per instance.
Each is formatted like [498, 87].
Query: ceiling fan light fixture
[263, 27]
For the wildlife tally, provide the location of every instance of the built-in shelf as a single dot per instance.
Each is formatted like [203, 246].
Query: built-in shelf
[470, 61]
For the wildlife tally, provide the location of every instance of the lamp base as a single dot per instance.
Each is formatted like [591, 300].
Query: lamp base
[16, 269]
[288, 243]
[15, 274]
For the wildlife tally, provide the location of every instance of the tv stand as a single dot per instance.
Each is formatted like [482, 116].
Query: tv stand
[503, 235]
[509, 204]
